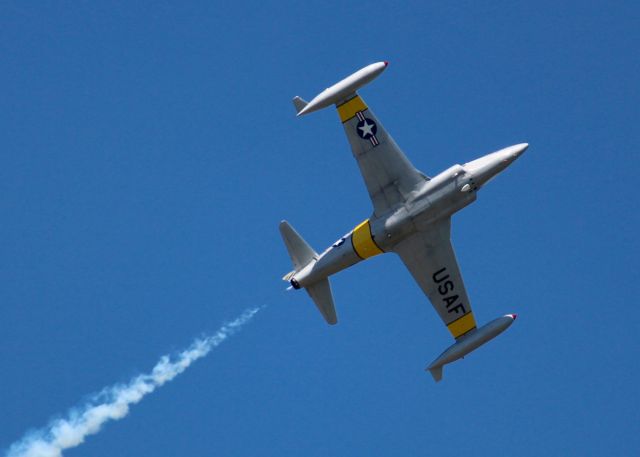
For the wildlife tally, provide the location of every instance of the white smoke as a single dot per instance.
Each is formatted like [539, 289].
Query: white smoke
[113, 402]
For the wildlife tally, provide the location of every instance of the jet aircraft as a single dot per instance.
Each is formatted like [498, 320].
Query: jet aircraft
[411, 217]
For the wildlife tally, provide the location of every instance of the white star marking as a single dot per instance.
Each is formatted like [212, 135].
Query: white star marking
[367, 129]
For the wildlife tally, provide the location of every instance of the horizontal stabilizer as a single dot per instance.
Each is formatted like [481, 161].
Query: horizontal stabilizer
[299, 103]
[299, 251]
[321, 295]
[436, 373]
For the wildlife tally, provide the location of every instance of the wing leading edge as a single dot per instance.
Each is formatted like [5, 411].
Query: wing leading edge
[387, 173]
[430, 258]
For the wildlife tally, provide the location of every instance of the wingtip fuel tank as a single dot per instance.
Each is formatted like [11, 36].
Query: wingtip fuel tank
[469, 343]
[340, 90]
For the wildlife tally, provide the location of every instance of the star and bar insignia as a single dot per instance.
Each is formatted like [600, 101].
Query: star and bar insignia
[367, 129]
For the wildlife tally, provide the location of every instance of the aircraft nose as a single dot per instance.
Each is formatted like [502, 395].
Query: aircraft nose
[513, 152]
[487, 167]
[518, 149]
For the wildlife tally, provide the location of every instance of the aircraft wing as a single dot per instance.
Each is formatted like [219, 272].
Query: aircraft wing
[387, 173]
[430, 258]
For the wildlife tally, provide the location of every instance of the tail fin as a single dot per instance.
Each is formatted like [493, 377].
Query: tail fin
[299, 251]
[299, 103]
[321, 295]
[301, 254]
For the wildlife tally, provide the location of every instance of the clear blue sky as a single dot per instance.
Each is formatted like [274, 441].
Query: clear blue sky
[149, 152]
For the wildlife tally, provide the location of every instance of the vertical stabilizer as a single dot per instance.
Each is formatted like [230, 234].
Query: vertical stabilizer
[299, 251]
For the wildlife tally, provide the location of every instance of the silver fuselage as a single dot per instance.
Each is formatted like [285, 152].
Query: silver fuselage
[432, 201]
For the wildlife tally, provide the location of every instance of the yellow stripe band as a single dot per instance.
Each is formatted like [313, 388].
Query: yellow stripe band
[463, 325]
[349, 108]
[363, 242]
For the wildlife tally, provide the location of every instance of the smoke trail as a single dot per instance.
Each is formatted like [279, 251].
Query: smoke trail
[113, 402]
